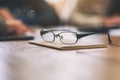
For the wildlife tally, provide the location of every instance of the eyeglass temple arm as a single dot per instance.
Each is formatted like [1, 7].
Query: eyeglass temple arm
[84, 35]
[43, 32]
[109, 39]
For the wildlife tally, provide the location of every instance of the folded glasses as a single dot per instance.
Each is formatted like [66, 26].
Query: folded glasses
[66, 36]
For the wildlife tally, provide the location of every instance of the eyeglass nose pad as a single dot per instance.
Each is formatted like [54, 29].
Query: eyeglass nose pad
[56, 36]
[61, 37]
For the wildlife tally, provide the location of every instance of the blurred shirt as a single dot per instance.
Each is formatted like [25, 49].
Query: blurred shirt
[36, 12]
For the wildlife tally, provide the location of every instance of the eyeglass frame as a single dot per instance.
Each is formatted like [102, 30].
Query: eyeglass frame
[78, 36]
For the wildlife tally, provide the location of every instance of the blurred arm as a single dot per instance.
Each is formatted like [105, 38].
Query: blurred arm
[13, 25]
[85, 20]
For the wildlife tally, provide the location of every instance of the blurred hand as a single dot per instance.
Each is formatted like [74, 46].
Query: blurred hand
[112, 21]
[6, 14]
[15, 27]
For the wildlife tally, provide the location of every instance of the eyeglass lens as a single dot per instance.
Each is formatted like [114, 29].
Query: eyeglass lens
[68, 37]
[65, 37]
[49, 36]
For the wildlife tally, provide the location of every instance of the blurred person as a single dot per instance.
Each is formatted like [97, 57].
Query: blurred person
[15, 15]
[113, 15]
[10, 25]
[91, 13]
[32, 12]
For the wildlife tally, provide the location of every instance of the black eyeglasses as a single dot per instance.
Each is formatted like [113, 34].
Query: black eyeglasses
[66, 37]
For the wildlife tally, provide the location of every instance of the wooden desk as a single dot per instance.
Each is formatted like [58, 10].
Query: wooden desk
[32, 62]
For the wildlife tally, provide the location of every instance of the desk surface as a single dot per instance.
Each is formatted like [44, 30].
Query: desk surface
[32, 62]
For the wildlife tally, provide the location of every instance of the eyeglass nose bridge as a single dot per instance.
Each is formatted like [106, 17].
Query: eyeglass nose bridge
[57, 35]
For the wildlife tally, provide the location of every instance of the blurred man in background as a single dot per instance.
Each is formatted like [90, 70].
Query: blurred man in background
[9, 25]
[16, 13]
[36, 12]
[90, 13]
[96, 13]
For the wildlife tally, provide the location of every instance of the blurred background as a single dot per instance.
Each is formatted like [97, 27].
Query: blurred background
[20, 16]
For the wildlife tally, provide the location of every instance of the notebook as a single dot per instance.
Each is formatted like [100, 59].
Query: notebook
[89, 42]
[67, 47]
